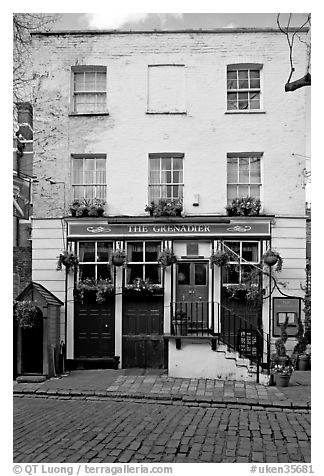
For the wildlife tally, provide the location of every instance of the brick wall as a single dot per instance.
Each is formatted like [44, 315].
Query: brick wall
[22, 268]
[205, 134]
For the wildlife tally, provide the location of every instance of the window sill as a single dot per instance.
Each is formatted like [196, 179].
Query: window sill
[245, 112]
[88, 114]
[175, 113]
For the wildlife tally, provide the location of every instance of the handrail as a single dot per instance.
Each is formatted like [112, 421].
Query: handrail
[232, 329]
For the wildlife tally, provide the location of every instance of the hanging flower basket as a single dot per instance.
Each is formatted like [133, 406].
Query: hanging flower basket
[118, 258]
[167, 258]
[219, 258]
[67, 259]
[272, 257]
[27, 315]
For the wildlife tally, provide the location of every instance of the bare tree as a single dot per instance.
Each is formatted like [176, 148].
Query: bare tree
[23, 25]
[291, 35]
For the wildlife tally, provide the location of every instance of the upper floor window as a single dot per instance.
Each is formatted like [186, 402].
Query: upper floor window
[165, 176]
[244, 87]
[89, 176]
[166, 89]
[89, 89]
[243, 175]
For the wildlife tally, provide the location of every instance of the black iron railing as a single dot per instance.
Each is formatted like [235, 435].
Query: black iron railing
[211, 319]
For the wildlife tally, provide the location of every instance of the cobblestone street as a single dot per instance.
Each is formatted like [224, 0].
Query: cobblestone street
[52, 430]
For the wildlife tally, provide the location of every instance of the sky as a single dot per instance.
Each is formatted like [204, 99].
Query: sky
[137, 21]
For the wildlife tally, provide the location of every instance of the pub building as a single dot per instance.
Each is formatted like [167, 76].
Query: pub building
[123, 119]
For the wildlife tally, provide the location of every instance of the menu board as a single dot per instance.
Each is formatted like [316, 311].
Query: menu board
[248, 342]
[286, 310]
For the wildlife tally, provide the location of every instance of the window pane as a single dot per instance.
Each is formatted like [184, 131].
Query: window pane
[192, 248]
[78, 81]
[87, 271]
[234, 246]
[166, 164]
[101, 171]
[200, 274]
[254, 73]
[155, 176]
[166, 177]
[135, 252]
[231, 193]
[243, 84]
[103, 250]
[255, 100]
[90, 192]
[255, 83]
[77, 170]
[232, 169]
[231, 80]
[255, 171]
[153, 273]
[151, 251]
[177, 164]
[90, 81]
[103, 271]
[243, 74]
[101, 82]
[154, 164]
[255, 191]
[243, 190]
[86, 251]
[184, 273]
[231, 105]
[231, 274]
[78, 192]
[155, 194]
[250, 252]
[244, 171]
[134, 271]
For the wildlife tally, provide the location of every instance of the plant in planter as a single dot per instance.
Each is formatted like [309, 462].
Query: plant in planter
[69, 260]
[237, 292]
[84, 207]
[244, 206]
[180, 323]
[272, 257]
[219, 258]
[280, 363]
[165, 207]
[26, 314]
[300, 356]
[140, 286]
[118, 258]
[166, 258]
[102, 288]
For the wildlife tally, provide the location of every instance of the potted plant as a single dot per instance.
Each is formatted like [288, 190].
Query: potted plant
[244, 206]
[26, 314]
[280, 363]
[219, 258]
[180, 323]
[86, 288]
[166, 258]
[87, 207]
[300, 354]
[69, 260]
[272, 257]
[118, 257]
[165, 207]
[142, 287]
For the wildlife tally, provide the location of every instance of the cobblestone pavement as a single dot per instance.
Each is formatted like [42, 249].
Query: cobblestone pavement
[157, 384]
[67, 430]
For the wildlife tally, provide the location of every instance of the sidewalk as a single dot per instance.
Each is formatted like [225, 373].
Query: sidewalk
[155, 385]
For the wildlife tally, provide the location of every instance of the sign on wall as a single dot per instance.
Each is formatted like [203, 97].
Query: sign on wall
[286, 310]
[165, 230]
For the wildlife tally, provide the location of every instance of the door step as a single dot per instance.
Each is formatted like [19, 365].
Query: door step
[31, 378]
[93, 363]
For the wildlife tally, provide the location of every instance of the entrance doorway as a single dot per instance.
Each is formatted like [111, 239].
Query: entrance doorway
[32, 349]
[192, 293]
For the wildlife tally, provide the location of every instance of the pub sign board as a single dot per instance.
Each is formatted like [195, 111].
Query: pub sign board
[286, 309]
[164, 230]
[248, 342]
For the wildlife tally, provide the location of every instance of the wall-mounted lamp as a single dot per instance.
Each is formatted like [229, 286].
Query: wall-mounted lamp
[196, 200]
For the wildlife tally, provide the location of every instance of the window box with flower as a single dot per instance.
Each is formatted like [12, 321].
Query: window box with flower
[165, 207]
[244, 206]
[87, 207]
[140, 288]
[89, 290]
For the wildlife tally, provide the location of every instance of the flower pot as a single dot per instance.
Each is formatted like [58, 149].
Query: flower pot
[180, 328]
[282, 380]
[270, 260]
[303, 362]
[118, 260]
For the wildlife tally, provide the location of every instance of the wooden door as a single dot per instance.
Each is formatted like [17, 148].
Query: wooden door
[143, 343]
[192, 291]
[94, 330]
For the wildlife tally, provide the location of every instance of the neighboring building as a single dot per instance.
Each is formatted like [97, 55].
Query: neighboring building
[200, 117]
[22, 175]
